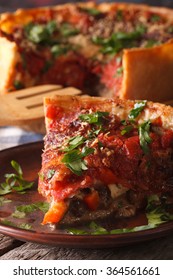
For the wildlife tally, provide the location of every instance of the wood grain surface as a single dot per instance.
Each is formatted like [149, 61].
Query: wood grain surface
[160, 249]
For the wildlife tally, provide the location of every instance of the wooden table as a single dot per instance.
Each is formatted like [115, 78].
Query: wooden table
[12, 249]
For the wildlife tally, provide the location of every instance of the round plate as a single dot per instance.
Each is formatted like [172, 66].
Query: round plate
[29, 157]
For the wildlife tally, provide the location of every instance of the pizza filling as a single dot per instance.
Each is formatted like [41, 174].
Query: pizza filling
[100, 162]
[84, 41]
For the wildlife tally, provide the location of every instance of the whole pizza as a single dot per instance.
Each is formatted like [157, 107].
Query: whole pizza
[112, 49]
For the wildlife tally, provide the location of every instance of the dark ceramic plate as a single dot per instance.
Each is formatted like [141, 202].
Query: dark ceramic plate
[29, 157]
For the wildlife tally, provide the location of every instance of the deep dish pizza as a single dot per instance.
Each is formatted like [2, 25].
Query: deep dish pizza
[114, 49]
[104, 157]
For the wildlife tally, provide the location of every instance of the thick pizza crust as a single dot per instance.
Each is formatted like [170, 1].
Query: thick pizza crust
[118, 107]
[147, 72]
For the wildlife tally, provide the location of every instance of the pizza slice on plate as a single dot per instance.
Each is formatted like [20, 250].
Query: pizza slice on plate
[104, 157]
[116, 49]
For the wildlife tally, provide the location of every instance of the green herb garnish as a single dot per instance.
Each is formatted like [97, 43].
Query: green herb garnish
[91, 11]
[18, 84]
[118, 41]
[15, 182]
[39, 33]
[95, 229]
[156, 212]
[4, 200]
[127, 129]
[170, 29]
[50, 173]
[22, 210]
[94, 118]
[150, 43]
[119, 15]
[58, 50]
[74, 160]
[67, 30]
[144, 137]
[47, 66]
[138, 107]
[119, 72]
[12, 224]
[25, 226]
[155, 18]
[74, 142]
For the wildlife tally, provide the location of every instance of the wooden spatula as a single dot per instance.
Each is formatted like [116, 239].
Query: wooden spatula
[25, 107]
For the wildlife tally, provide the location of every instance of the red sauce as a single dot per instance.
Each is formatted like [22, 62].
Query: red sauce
[119, 160]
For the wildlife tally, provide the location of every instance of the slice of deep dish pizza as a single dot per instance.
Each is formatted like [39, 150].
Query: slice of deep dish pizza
[104, 157]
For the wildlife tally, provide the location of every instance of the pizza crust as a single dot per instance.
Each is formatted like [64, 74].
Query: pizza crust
[118, 107]
[148, 73]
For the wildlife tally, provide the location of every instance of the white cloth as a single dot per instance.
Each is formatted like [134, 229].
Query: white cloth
[13, 136]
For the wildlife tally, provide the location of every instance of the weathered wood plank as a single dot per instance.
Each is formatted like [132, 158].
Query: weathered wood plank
[7, 244]
[152, 250]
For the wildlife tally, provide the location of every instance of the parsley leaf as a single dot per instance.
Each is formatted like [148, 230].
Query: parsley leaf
[74, 142]
[67, 30]
[91, 11]
[119, 15]
[138, 107]
[127, 129]
[74, 160]
[59, 49]
[22, 210]
[156, 212]
[94, 118]
[40, 33]
[3, 201]
[119, 72]
[118, 41]
[155, 18]
[50, 173]
[144, 137]
[25, 226]
[15, 182]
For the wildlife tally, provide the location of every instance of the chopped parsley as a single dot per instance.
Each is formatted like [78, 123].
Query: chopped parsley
[59, 49]
[50, 173]
[21, 210]
[74, 142]
[119, 15]
[144, 137]
[12, 224]
[127, 129]
[67, 30]
[74, 160]
[152, 42]
[91, 11]
[118, 41]
[76, 149]
[119, 72]
[156, 211]
[138, 107]
[155, 18]
[94, 118]
[4, 200]
[40, 33]
[15, 182]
